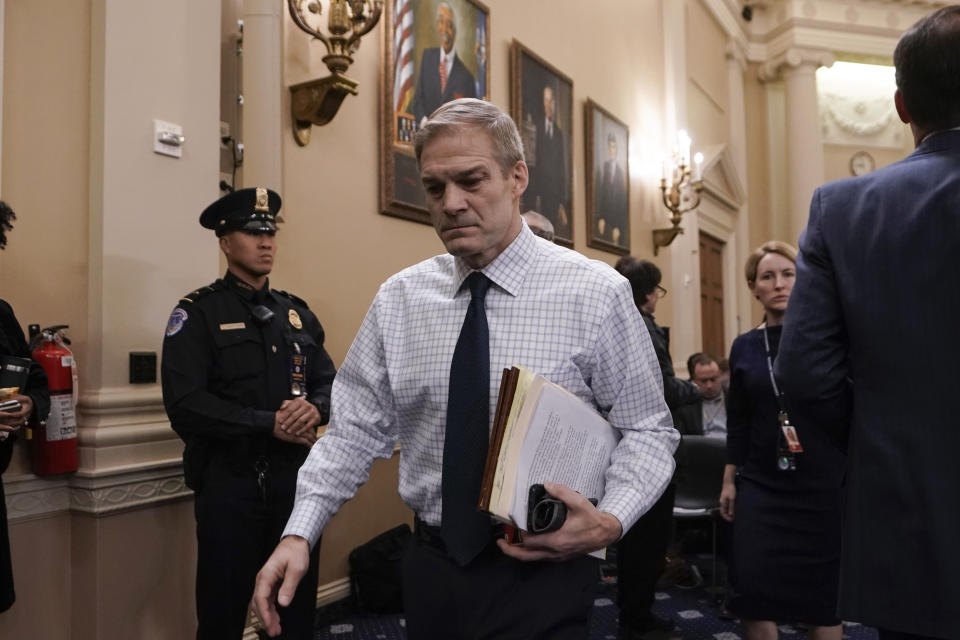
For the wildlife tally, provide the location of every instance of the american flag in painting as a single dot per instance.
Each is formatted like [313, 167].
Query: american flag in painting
[402, 53]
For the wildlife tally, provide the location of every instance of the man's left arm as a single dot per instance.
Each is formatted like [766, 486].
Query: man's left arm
[627, 388]
[812, 363]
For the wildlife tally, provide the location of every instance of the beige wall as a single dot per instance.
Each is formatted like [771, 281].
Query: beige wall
[836, 157]
[45, 145]
[336, 248]
[758, 172]
[41, 552]
[707, 86]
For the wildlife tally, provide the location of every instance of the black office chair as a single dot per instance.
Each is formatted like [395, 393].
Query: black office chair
[698, 485]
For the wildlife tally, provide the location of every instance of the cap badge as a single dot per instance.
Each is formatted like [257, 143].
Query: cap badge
[294, 318]
[262, 202]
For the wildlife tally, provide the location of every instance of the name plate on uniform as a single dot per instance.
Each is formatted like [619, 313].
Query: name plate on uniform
[229, 326]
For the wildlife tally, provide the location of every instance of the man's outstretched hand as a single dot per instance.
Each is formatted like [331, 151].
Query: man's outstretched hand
[278, 579]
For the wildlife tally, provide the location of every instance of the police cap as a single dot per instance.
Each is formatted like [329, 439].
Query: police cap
[253, 210]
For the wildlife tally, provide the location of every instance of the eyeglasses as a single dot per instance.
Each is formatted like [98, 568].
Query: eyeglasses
[661, 291]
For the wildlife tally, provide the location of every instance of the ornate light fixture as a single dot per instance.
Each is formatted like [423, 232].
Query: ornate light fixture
[680, 187]
[316, 102]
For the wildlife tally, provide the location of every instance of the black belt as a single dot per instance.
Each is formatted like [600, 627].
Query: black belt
[430, 535]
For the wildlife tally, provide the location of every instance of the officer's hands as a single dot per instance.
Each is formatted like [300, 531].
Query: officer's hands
[586, 529]
[13, 420]
[296, 421]
[288, 563]
[298, 416]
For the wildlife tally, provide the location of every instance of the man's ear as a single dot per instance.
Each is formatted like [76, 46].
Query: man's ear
[521, 178]
[901, 107]
[225, 245]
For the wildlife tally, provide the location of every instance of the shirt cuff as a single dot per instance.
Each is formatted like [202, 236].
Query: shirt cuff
[300, 524]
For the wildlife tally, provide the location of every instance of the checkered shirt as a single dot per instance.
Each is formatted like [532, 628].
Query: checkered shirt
[550, 309]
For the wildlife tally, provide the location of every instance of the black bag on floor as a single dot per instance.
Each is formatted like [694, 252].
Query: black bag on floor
[376, 573]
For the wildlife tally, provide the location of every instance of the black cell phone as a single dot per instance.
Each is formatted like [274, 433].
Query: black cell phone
[10, 405]
[544, 512]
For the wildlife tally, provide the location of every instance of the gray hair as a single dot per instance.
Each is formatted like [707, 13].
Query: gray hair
[470, 112]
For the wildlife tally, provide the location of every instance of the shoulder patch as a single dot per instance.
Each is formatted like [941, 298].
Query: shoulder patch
[296, 299]
[177, 319]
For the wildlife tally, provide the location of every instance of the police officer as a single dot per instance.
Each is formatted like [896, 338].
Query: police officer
[246, 382]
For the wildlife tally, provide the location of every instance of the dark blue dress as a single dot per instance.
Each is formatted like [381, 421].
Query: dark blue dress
[785, 548]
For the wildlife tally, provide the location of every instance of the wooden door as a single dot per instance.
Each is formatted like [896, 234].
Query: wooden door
[711, 295]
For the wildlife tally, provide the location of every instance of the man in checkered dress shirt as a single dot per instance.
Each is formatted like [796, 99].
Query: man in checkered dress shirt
[550, 309]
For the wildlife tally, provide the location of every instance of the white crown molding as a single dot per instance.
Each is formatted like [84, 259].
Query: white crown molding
[794, 58]
[864, 27]
[737, 51]
[727, 15]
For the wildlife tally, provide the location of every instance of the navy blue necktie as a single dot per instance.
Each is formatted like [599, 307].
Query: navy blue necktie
[466, 530]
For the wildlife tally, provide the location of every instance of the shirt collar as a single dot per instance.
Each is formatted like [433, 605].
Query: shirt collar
[936, 133]
[447, 59]
[508, 269]
[243, 289]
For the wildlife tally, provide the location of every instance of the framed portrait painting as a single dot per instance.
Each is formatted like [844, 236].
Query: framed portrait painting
[433, 51]
[541, 103]
[608, 180]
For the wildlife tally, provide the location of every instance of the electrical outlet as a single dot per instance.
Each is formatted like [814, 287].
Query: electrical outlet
[143, 367]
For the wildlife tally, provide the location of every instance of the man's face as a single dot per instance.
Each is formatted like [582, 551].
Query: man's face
[650, 304]
[707, 377]
[250, 253]
[548, 103]
[474, 208]
[612, 149]
[446, 29]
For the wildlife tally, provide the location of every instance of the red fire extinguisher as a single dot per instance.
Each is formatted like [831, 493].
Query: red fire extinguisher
[54, 448]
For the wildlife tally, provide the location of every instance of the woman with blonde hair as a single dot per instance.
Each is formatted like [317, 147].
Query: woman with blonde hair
[781, 483]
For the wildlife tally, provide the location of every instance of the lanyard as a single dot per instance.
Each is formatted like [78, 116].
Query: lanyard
[773, 379]
[788, 444]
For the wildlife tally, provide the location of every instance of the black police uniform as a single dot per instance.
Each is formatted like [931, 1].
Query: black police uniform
[228, 364]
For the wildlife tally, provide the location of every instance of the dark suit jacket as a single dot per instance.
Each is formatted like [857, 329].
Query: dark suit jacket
[869, 352]
[427, 97]
[611, 186]
[689, 418]
[549, 178]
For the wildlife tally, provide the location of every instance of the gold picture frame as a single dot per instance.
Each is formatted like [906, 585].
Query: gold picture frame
[536, 88]
[414, 32]
[606, 146]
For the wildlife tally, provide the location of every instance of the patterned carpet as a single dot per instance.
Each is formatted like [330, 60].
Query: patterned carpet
[693, 611]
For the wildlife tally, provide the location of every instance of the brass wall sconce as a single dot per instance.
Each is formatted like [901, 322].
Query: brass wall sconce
[680, 188]
[316, 102]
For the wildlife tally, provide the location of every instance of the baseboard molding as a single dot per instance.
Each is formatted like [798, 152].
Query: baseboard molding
[327, 594]
[333, 592]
